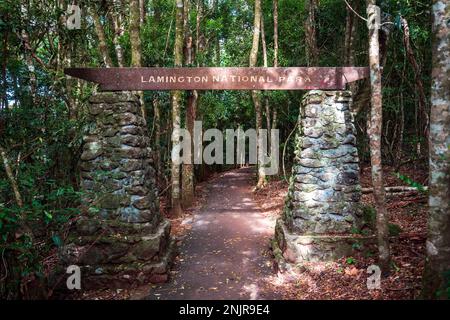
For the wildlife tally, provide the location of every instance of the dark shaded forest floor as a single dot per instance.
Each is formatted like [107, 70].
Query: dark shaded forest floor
[199, 277]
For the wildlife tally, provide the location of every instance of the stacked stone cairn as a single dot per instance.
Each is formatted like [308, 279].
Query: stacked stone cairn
[121, 237]
[322, 208]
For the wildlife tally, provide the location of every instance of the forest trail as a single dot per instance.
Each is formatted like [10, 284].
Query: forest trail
[225, 254]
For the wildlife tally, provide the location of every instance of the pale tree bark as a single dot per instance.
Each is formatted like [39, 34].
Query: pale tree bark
[266, 98]
[142, 11]
[312, 51]
[135, 37]
[136, 50]
[275, 55]
[102, 44]
[275, 33]
[199, 6]
[187, 173]
[361, 98]
[118, 30]
[28, 53]
[437, 268]
[30, 66]
[157, 123]
[374, 132]
[215, 8]
[25, 228]
[176, 111]
[256, 94]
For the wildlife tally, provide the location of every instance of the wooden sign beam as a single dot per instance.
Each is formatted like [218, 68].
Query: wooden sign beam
[296, 78]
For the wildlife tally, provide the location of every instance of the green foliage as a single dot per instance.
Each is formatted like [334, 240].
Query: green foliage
[445, 292]
[420, 187]
[394, 229]
[42, 141]
[357, 246]
[369, 216]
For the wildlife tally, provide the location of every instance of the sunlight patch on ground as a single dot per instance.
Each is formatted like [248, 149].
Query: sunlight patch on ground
[263, 226]
[201, 223]
[252, 289]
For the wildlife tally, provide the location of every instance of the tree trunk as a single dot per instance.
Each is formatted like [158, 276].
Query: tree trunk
[275, 55]
[102, 44]
[374, 132]
[25, 228]
[398, 152]
[157, 121]
[217, 40]
[312, 51]
[188, 188]
[275, 33]
[422, 118]
[437, 268]
[256, 94]
[142, 11]
[135, 38]
[199, 17]
[118, 31]
[176, 111]
[4, 101]
[349, 45]
[136, 50]
[27, 56]
[350, 30]
[266, 98]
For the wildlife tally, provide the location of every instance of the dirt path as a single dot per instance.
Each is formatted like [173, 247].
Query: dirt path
[225, 254]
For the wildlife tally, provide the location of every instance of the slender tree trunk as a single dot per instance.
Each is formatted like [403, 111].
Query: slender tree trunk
[4, 102]
[142, 11]
[256, 96]
[437, 268]
[374, 132]
[422, 119]
[350, 31]
[102, 44]
[398, 153]
[263, 42]
[215, 6]
[157, 122]
[27, 56]
[275, 33]
[136, 50]
[176, 111]
[275, 55]
[349, 45]
[199, 7]
[187, 173]
[118, 30]
[26, 229]
[70, 83]
[266, 98]
[312, 51]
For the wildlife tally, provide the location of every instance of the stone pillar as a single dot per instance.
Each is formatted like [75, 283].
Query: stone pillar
[322, 205]
[121, 236]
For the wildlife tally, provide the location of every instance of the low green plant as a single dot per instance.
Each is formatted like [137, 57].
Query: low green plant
[394, 229]
[410, 182]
